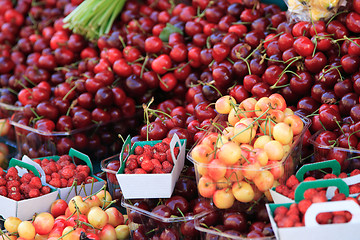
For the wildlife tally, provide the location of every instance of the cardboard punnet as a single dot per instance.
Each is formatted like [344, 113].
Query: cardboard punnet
[314, 230]
[70, 192]
[25, 209]
[151, 185]
[332, 164]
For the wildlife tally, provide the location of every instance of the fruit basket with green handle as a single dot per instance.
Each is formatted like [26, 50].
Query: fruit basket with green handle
[312, 229]
[150, 185]
[86, 189]
[25, 209]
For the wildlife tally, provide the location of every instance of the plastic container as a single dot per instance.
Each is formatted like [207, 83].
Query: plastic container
[350, 158]
[6, 108]
[211, 232]
[12, 152]
[101, 140]
[112, 182]
[281, 170]
[142, 220]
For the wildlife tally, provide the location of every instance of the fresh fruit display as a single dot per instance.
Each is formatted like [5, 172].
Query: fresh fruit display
[18, 188]
[91, 217]
[151, 159]
[244, 160]
[63, 172]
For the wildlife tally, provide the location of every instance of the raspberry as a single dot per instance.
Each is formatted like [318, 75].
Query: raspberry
[293, 209]
[48, 178]
[329, 176]
[52, 166]
[63, 182]
[355, 172]
[292, 181]
[79, 177]
[141, 158]
[139, 171]
[319, 197]
[160, 156]
[12, 175]
[25, 188]
[45, 162]
[339, 197]
[161, 147]
[90, 179]
[148, 150]
[38, 161]
[167, 141]
[71, 166]
[47, 170]
[2, 172]
[45, 189]
[156, 163]
[169, 157]
[147, 165]
[291, 195]
[309, 179]
[55, 182]
[343, 175]
[2, 181]
[12, 183]
[83, 173]
[309, 193]
[34, 193]
[158, 171]
[280, 189]
[138, 150]
[26, 177]
[64, 158]
[131, 164]
[128, 171]
[67, 173]
[35, 182]
[14, 195]
[167, 167]
[3, 191]
[55, 175]
[83, 168]
[71, 181]
[281, 210]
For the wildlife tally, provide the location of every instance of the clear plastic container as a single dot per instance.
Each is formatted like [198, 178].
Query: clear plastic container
[349, 159]
[11, 152]
[112, 182]
[213, 231]
[7, 106]
[154, 225]
[281, 170]
[99, 140]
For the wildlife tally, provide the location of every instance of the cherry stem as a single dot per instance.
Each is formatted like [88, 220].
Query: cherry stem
[68, 93]
[251, 124]
[3, 234]
[247, 64]
[143, 66]
[66, 233]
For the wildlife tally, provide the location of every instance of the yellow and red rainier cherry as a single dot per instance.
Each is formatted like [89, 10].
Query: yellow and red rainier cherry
[243, 160]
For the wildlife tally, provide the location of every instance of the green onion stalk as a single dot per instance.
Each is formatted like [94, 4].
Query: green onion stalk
[94, 18]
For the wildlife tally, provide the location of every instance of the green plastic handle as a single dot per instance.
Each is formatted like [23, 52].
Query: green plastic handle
[333, 164]
[15, 162]
[75, 153]
[336, 182]
[127, 144]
